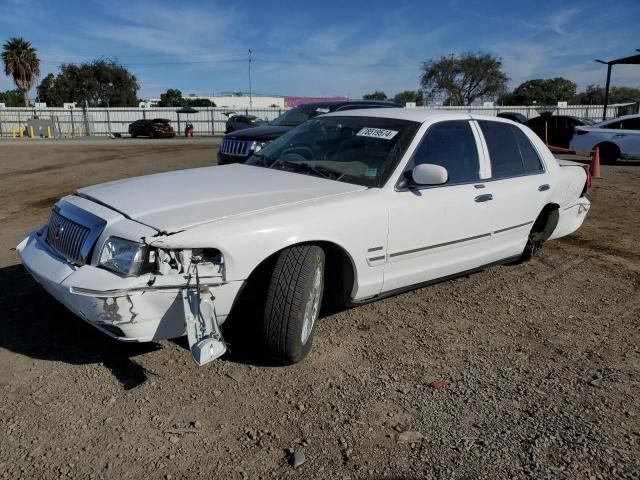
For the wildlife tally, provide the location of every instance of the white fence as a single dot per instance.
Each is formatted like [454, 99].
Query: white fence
[211, 121]
[104, 121]
[593, 112]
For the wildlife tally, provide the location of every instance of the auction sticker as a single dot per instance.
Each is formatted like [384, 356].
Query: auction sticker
[381, 133]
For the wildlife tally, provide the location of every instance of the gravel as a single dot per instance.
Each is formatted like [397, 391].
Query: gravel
[541, 364]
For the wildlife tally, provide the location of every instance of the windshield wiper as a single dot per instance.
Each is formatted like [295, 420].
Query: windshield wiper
[318, 170]
[297, 167]
[338, 174]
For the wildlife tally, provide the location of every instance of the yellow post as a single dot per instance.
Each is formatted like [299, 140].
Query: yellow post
[21, 131]
[69, 132]
[31, 131]
[13, 132]
[48, 132]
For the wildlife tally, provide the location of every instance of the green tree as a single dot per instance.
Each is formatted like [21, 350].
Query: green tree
[47, 92]
[173, 98]
[22, 63]
[409, 96]
[594, 95]
[12, 98]
[542, 91]
[100, 83]
[200, 102]
[377, 95]
[463, 78]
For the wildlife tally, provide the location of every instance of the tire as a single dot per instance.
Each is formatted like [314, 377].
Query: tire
[536, 239]
[609, 153]
[292, 307]
[134, 134]
[532, 248]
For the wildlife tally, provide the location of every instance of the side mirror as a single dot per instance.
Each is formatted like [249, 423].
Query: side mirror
[429, 174]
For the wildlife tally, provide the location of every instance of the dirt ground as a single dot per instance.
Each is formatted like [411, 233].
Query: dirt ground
[541, 362]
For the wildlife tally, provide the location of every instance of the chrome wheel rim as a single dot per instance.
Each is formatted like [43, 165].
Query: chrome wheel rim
[312, 308]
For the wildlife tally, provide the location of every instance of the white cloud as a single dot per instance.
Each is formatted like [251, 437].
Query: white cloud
[557, 21]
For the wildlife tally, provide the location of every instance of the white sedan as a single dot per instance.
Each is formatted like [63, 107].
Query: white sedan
[346, 208]
[617, 138]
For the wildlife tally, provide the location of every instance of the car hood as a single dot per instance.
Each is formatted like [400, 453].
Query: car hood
[174, 201]
[265, 132]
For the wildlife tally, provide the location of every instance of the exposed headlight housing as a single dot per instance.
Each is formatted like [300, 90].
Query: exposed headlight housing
[123, 256]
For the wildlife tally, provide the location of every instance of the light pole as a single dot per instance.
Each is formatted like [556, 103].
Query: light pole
[250, 94]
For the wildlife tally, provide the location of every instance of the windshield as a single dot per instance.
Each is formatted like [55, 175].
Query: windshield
[298, 115]
[360, 150]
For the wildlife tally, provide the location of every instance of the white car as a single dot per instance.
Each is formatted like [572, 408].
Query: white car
[346, 208]
[618, 138]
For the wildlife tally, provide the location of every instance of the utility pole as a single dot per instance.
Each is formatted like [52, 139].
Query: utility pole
[250, 94]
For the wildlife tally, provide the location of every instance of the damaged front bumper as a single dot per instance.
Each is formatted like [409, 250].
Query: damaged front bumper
[130, 309]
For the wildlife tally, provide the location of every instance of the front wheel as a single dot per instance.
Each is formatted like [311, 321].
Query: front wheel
[293, 303]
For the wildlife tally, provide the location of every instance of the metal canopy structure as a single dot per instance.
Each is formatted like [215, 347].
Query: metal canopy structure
[632, 60]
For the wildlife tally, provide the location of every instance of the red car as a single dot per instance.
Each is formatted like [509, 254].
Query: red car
[155, 128]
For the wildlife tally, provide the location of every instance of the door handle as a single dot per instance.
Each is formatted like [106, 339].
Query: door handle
[483, 198]
[544, 188]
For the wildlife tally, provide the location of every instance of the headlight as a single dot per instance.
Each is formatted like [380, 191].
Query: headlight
[123, 256]
[257, 146]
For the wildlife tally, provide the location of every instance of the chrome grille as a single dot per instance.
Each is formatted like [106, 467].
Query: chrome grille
[237, 148]
[67, 237]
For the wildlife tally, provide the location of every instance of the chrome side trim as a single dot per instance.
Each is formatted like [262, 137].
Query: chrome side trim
[430, 247]
[514, 227]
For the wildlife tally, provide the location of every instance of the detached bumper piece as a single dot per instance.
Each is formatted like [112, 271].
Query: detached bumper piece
[204, 335]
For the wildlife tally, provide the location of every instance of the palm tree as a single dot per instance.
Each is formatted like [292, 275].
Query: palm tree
[22, 63]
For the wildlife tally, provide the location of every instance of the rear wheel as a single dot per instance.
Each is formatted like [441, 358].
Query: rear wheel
[542, 228]
[609, 153]
[293, 303]
[533, 246]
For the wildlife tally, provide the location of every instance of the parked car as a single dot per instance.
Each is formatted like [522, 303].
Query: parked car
[556, 130]
[515, 116]
[342, 210]
[618, 138]
[240, 145]
[240, 122]
[155, 128]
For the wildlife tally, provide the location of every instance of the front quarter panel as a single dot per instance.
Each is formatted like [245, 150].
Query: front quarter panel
[356, 222]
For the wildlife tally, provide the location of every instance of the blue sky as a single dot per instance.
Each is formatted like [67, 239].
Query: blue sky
[324, 47]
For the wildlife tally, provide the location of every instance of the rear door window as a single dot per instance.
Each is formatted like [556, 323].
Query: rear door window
[451, 144]
[530, 159]
[510, 151]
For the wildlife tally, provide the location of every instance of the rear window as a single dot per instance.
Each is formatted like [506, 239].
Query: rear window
[630, 124]
[510, 151]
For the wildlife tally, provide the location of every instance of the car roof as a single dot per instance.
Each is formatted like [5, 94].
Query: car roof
[617, 119]
[342, 103]
[420, 115]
